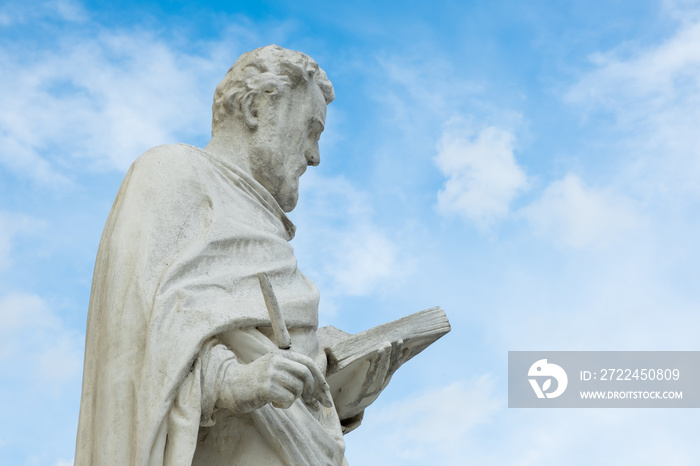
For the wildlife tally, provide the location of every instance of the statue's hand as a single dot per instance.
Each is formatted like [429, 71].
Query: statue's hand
[279, 378]
[359, 384]
[388, 358]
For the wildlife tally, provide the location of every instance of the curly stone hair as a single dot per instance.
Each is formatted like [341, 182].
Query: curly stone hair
[269, 70]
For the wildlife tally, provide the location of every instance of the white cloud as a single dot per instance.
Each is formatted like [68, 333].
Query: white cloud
[435, 427]
[682, 10]
[20, 311]
[483, 177]
[98, 103]
[22, 12]
[21, 158]
[69, 10]
[465, 423]
[418, 86]
[653, 92]
[34, 342]
[365, 256]
[64, 463]
[564, 436]
[12, 225]
[342, 247]
[661, 71]
[577, 216]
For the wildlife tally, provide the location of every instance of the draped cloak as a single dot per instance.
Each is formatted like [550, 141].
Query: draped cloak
[177, 266]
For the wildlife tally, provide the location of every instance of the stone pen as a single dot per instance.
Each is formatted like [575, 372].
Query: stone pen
[279, 328]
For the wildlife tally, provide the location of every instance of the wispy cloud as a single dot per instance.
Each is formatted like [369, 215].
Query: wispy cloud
[69, 10]
[560, 436]
[419, 87]
[35, 344]
[12, 225]
[365, 258]
[653, 93]
[682, 10]
[17, 13]
[435, 427]
[574, 215]
[40, 361]
[483, 177]
[355, 256]
[98, 103]
[467, 423]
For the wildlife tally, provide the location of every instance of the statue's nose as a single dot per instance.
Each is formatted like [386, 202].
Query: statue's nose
[313, 158]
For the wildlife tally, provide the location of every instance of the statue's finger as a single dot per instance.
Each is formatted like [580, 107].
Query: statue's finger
[298, 378]
[319, 386]
[378, 370]
[397, 350]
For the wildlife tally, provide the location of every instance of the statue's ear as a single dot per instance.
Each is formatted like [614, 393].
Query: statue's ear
[250, 111]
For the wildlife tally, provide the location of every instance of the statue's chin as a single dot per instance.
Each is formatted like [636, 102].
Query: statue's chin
[288, 202]
[288, 196]
[288, 207]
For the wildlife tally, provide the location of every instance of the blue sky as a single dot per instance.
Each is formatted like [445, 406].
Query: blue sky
[531, 167]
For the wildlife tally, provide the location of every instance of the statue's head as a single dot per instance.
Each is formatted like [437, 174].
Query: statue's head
[278, 99]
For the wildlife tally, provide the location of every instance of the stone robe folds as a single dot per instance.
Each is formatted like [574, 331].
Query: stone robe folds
[175, 276]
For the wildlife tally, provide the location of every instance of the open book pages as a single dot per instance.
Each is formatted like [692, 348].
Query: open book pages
[417, 331]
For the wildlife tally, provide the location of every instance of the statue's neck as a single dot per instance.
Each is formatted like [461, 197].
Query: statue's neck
[231, 149]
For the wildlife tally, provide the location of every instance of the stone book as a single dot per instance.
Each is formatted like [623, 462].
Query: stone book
[417, 331]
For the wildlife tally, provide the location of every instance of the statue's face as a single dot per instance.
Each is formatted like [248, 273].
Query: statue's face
[286, 141]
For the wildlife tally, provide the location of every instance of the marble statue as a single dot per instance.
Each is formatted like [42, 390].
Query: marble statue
[203, 346]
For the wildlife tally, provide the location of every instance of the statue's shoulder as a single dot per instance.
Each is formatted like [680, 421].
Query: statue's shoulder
[172, 156]
[168, 170]
[173, 162]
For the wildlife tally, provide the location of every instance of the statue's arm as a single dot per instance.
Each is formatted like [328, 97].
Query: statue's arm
[215, 360]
